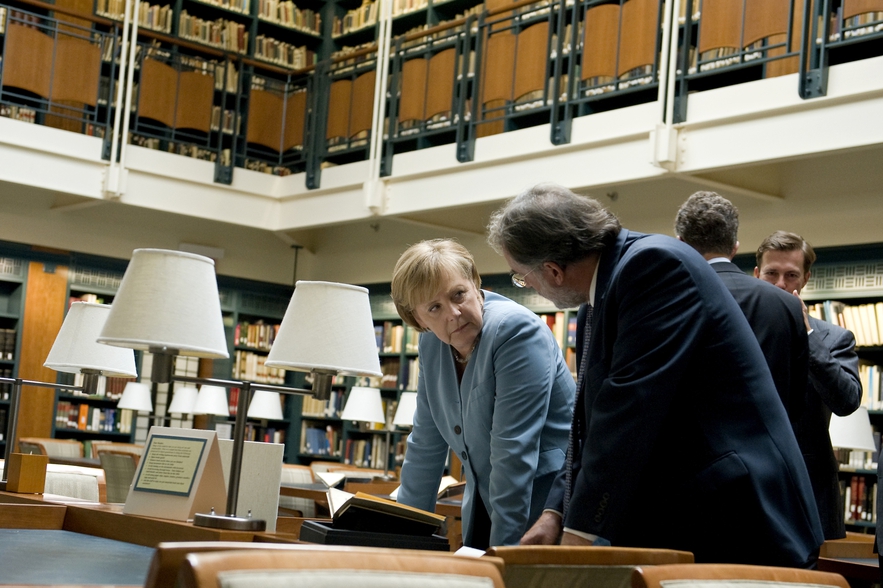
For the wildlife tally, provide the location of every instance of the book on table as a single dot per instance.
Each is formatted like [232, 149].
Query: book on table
[365, 512]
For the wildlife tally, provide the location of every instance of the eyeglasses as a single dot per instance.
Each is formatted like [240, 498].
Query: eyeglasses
[520, 280]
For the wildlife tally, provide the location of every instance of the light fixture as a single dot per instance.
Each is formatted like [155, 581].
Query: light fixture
[136, 396]
[74, 351]
[168, 304]
[212, 400]
[183, 401]
[265, 405]
[365, 405]
[327, 330]
[852, 431]
[404, 416]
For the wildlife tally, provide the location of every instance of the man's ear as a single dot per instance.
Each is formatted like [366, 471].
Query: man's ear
[756, 272]
[555, 272]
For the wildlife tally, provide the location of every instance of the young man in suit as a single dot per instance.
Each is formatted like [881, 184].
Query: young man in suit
[709, 223]
[785, 260]
[679, 438]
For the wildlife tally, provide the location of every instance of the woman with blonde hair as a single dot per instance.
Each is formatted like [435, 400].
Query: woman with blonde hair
[493, 387]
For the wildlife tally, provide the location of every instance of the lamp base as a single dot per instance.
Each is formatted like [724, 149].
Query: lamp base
[229, 522]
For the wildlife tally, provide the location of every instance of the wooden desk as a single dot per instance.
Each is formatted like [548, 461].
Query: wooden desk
[316, 491]
[858, 572]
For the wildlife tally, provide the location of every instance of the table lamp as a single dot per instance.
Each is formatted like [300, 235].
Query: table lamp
[183, 401]
[75, 350]
[365, 405]
[265, 405]
[852, 431]
[136, 396]
[404, 416]
[212, 400]
[168, 304]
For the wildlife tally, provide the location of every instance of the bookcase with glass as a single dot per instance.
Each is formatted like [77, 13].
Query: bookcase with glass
[848, 294]
[13, 275]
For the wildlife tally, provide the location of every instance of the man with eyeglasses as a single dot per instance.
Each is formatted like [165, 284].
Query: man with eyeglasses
[679, 438]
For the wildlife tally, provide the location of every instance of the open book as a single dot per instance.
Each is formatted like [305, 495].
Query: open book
[446, 482]
[364, 512]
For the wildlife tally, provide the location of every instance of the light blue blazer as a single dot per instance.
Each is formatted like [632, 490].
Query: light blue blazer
[508, 420]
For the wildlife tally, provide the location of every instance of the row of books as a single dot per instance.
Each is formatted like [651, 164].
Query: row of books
[316, 440]
[7, 343]
[110, 388]
[282, 53]
[266, 168]
[28, 115]
[4, 414]
[285, 13]
[150, 16]
[323, 408]
[188, 149]
[393, 338]
[225, 122]
[5, 389]
[871, 377]
[364, 453]
[864, 320]
[264, 434]
[258, 335]
[252, 367]
[859, 499]
[223, 34]
[241, 6]
[83, 417]
[358, 18]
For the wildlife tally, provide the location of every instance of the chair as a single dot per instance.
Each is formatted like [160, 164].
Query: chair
[119, 471]
[529, 566]
[365, 567]
[76, 482]
[51, 447]
[293, 506]
[133, 449]
[724, 575]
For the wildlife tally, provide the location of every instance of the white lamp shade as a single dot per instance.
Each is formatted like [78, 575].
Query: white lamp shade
[327, 326]
[168, 299]
[76, 347]
[184, 400]
[136, 396]
[364, 404]
[265, 405]
[212, 400]
[405, 410]
[852, 431]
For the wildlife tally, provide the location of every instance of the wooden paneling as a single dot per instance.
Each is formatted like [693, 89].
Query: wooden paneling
[339, 109]
[45, 297]
[637, 39]
[855, 7]
[194, 106]
[84, 6]
[156, 94]
[295, 120]
[531, 57]
[32, 516]
[600, 42]
[720, 25]
[412, 105]
[27, 59]
[788, 65]
[76, 71]
[765, 18]
[441, 83]
[362, 104]
[264, 119]
[498, 67]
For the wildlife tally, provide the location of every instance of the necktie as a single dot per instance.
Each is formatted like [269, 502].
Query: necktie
[576, 422]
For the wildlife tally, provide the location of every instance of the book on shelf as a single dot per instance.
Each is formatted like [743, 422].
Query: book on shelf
[366, 512]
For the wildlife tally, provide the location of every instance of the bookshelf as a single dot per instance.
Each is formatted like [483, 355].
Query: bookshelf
[13, 275]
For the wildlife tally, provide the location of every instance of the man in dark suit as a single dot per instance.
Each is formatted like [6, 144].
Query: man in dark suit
[785, 260]
[709, 223]
[679, 438]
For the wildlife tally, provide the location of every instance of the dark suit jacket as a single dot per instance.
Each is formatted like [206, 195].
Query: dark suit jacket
[685, 443]
[776, 317]
[833, 386]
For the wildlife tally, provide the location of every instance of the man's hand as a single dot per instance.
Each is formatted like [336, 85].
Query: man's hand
[546, 531]
[571, 539]
[805, 313]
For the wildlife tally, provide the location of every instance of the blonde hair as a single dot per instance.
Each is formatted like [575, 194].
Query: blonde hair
[423, 269]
